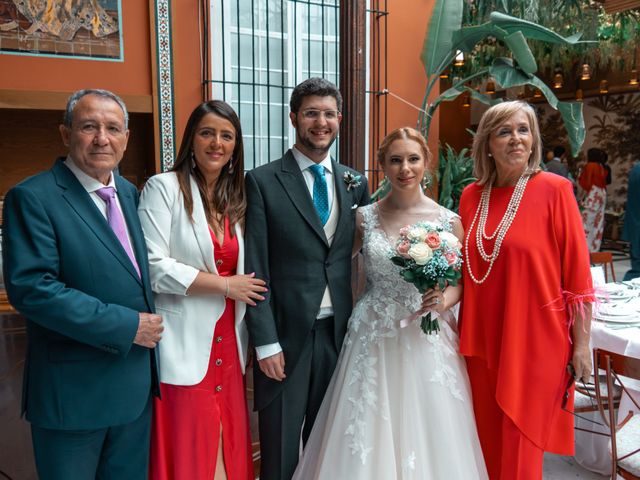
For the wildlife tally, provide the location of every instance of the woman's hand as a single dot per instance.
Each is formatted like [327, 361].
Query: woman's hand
[582, 363]
[433, 300]
[246, 288]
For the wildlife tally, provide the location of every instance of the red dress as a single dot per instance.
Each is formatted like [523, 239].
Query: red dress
[187, 420]
[518, 321]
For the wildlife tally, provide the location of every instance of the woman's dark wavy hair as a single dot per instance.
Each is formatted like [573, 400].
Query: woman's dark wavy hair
[228, 197]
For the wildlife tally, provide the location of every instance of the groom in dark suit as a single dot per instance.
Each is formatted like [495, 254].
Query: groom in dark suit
[76, 267]
[299, 234]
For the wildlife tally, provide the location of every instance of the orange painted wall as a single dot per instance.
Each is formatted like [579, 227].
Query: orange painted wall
[454, 121]
[407, 24]
[187, 75]
[131, 77]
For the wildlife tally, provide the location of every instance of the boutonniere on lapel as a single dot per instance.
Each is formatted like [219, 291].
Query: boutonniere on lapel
[351, 180]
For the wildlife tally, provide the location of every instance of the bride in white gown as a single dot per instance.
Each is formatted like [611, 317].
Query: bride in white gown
[399, 404]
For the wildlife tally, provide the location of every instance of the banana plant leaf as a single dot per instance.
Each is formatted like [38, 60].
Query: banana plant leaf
[521, 52]
[532, 30]
[481, 97]
[455, 172]
[437, 48]
[466, 38]
[383, 189]
[507, 75]
[573, 117]
[445, 180]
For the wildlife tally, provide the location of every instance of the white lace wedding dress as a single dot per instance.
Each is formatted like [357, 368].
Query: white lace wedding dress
[398, 405]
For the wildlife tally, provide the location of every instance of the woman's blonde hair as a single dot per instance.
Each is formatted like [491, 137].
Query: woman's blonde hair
[403, 133]
[485, 166]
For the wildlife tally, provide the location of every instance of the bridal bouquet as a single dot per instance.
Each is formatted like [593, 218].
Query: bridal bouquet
[428, 255]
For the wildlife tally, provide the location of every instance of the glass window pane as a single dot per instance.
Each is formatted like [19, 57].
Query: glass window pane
[270, 46]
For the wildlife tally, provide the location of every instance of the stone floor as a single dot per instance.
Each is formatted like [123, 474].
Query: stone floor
[557, 467]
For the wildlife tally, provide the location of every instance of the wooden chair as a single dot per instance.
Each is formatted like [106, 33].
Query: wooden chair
[585, 396]
[625, 434]
[606, 260]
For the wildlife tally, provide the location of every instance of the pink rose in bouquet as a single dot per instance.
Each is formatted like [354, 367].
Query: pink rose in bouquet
[432, 239]
[403, 249]
[451, 257]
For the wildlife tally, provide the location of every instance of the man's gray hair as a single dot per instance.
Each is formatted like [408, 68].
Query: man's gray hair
[76, 96]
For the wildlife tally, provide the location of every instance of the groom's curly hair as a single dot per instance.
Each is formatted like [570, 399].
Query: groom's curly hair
[314, 86]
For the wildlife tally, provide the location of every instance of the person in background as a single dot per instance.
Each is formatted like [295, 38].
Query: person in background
[593, 182]
[522, 234]
[557, 164]
[193, 219]
[75, 265]
[631, 228]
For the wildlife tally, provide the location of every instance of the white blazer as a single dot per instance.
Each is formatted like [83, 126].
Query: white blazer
[179, 249]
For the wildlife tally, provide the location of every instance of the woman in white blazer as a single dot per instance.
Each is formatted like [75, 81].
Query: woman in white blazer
[192, 219]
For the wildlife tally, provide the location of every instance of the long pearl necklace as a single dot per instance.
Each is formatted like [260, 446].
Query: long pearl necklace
[501, 230]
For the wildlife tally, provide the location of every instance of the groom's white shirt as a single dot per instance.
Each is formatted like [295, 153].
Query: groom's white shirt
[304, 162]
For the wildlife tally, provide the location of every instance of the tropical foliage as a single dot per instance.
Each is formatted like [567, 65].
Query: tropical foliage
[616, 34]
[455, 171]
[446, 36]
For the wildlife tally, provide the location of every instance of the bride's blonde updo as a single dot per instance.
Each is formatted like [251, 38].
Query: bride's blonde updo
[403, 133]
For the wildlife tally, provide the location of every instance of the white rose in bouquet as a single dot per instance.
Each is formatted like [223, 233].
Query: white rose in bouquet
[421, 253]
[451, 239]
[417, 234]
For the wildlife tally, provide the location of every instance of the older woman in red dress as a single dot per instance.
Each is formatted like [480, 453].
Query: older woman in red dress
[192, 219]
[525, 316]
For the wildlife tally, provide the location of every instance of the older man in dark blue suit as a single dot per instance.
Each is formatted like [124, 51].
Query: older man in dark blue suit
[76, 268]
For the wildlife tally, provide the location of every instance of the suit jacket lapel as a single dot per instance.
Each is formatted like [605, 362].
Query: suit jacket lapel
[80, 201]
[201, 228]
[294, 185]
[130, 212]
[345, 201]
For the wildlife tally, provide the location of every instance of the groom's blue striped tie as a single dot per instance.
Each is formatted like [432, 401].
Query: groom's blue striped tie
[320, 193]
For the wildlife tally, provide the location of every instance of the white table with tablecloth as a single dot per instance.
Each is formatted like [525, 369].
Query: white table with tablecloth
[592, 450]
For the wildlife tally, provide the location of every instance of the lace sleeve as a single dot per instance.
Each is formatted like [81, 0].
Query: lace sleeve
[447, 217]
[368, 217]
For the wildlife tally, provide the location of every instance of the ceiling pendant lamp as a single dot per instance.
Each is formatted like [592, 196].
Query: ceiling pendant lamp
[633, 80]
[466, 100]
[444, 75]
[490, 88]
[586, 72]
[558, 80]
[579, 95]
[459, 61]
[537, 93]
[604, 86]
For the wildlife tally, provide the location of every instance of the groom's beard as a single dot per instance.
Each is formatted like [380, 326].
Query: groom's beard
[320, 148]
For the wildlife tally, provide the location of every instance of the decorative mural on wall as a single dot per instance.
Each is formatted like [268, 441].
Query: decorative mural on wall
[88, 29]
[612, 123]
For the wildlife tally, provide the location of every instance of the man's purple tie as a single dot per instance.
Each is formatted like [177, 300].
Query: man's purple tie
[116, 221]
